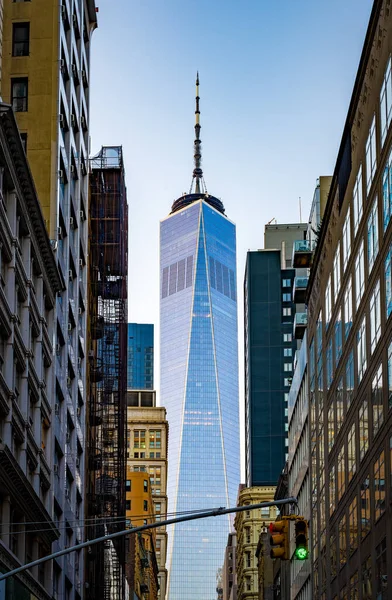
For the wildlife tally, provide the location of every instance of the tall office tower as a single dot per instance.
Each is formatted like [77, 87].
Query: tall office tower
[45, 77]
[147, 443]
[349, 339]
[269, 352]
[29, 281]
[107, 375]
[140, 356]
[199, 380]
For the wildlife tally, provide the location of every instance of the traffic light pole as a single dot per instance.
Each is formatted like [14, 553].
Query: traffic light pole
[111, 536]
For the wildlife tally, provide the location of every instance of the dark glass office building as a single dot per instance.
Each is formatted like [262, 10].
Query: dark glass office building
[140, 356]
[269, 353]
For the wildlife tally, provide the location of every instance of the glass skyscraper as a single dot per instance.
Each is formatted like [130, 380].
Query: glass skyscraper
[140, 363]
[199, 382]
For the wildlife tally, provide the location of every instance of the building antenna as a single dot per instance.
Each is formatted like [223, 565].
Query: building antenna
[300, 210]
[197, 171]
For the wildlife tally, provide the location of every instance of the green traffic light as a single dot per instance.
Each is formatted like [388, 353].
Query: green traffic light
[301, 553]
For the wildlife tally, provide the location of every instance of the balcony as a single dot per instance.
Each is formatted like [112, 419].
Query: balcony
[299, 289]
[300, 323]
[302, 254]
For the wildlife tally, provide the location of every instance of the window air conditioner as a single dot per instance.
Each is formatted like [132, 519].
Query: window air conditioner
[71, 219]
[80, 262]
[80, 311]
[59, 232]
[61, 119]
[61, 174]
[81, 214]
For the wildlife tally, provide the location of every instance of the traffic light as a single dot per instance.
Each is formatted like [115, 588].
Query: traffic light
[279, 540]
[301, 539]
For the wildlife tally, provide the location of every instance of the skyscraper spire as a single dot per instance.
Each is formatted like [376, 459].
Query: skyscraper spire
[197, 171]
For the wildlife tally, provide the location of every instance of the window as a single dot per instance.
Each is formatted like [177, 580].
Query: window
[346, 239]
[286, 297]
[139, 438]
[128, 485]
[379, 486]
[348, 308]
[342, 540]
[287, 351]
[386, 102]
[287, 381]
[287, 337]
[387, 191]
[375, 317]
[341, 473]
[390, 376]
[377, 401]
[336, 272]
[338, 337]
[353, 525]
[332, 490]
[20, 39]
[388, 282]
[145, 505]
[286, 283]
[19, 89]
[288, 366]
[286, 312]
[359, 275]
[328, 302]
[365, 507]
[145, 485]
[331, 429]
[371, 161]
[372, 233]
[127, 505]
[361, 349]
[155, 439]
[363, 429]
[381, 571]
[357, 200]
[351, 454]
[329, 363]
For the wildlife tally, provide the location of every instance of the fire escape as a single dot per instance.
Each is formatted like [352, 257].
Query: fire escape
[108, 244]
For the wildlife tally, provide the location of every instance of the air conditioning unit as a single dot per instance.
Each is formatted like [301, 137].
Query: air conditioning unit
[59, 232]
[56, 469]
[62, 11]
[70, 274]
[61, 119]
[69, 381]
[71, 219]
[80, 262]
[61, 174]
[57, 408]
[81, 214]
[69, 326]
[74, 19]
[80, 311]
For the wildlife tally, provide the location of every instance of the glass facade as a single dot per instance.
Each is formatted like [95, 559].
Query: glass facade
[199, 388]
[140, 362]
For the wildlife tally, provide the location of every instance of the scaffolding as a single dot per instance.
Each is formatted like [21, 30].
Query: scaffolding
[107, 374]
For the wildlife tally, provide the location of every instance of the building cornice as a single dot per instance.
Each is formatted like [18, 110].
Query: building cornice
[25, 189]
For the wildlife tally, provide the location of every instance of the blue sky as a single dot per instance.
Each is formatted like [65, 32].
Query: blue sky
[275, 82]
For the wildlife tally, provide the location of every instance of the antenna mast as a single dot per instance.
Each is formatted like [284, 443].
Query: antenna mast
[197, 171]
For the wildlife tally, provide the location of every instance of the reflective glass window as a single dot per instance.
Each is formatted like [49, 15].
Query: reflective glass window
[361, 349]
[346, 239]
[377, 400]
[386, 102]
[371, 158]
[372, 234]
[359, 275]
[348, 307]
[357, 200]
[375, 317]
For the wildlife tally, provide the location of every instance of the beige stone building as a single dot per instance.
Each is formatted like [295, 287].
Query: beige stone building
[147, 440]
[249, 525]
